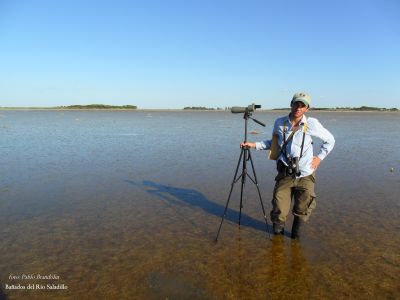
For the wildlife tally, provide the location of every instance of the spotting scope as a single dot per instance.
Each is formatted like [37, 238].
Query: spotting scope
[248, 109]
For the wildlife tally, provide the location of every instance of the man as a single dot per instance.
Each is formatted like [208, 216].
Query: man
[296, 163]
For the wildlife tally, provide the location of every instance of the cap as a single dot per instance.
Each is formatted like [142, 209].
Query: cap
[302, 97]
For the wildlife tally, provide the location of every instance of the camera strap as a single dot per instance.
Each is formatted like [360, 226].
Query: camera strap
[290, 137]
[302, 142]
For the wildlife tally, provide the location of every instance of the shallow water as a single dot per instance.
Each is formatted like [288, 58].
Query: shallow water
[127, 205]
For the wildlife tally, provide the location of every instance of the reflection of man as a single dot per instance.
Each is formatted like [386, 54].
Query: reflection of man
[295, 163]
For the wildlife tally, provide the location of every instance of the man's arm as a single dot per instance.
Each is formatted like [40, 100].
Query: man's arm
[264, 145]
[328, 141]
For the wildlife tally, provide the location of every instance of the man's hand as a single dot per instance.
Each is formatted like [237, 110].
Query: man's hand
[315, 162]
[248, 144]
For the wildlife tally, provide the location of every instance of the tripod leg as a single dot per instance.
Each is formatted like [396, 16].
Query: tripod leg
[259, 194]
[244, 173]
[230, 193]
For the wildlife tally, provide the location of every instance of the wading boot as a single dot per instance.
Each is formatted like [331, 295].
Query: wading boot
[279, 229]
[296, 228]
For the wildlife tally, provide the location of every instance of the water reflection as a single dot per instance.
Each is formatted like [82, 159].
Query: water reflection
[288, 270]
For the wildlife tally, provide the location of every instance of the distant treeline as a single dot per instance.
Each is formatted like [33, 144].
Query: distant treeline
[98, 106]
[204, 108]
[104, 106]
[368, 108]
[361, 108]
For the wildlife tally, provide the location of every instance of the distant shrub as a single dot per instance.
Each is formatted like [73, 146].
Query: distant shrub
[198, 108]
[100, 106]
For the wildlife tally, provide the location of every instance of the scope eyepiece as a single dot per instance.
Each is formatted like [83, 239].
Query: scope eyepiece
[248, 109]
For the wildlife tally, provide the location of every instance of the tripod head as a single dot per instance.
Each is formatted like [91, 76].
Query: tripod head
[247, 112]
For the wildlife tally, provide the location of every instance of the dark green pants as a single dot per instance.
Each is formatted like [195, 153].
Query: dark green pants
[301, 190]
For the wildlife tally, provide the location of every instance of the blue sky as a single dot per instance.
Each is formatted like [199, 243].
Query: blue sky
[171, 54]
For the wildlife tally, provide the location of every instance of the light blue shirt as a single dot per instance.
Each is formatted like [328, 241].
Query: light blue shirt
[313, 128]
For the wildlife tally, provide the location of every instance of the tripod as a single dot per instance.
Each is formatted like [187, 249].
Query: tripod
[245, 154]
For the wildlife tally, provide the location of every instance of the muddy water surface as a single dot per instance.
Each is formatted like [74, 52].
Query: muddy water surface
[118, 205]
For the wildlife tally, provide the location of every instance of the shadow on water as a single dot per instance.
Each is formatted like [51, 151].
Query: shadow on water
[181, 197]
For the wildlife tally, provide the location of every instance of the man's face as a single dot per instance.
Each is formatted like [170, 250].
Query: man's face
[298, 109]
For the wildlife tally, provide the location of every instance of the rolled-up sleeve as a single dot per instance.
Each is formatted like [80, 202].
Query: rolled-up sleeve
[264, 145]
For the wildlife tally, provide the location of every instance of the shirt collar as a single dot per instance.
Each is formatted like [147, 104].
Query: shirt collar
[302, 122]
